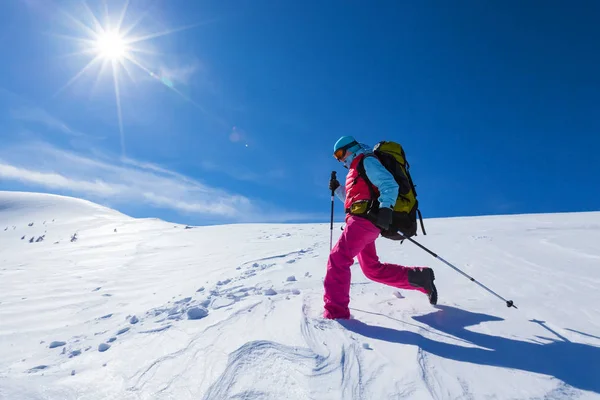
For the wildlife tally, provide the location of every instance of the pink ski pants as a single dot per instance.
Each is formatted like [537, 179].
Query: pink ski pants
[358, 239]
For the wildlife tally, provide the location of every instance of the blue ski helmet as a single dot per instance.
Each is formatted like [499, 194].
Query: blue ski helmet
[344, 144]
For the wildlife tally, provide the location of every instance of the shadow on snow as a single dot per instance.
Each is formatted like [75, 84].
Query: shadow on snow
[575, 364]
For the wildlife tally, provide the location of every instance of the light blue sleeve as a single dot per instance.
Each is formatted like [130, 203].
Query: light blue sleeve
[383, 179]
[340, 192]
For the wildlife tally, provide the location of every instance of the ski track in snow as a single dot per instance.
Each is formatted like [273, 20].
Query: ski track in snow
[296, 363]
[162, 311]
[222, 295]
[143, 376]
[341, 362]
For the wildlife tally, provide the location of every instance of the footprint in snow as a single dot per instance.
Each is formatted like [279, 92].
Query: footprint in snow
[183, 301]
[122, 331]
[175, 313]
[56, 344]
[74, 353]
[38, 368]
[197, 313]
[205, 303]
[103, 347]
[270, 292]
[291, 278]
[134, 320]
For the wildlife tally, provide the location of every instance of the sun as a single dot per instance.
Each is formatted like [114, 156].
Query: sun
[111, 46]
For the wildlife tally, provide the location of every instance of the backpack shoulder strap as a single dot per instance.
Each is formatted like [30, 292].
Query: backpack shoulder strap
[362, 173]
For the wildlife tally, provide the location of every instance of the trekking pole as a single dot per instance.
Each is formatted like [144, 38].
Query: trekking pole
[333, 174]
[509, 303]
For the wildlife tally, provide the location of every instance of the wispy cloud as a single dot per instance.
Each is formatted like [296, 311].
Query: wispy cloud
[124, 181]
[52, 180]
[40, 116]
[153, 167]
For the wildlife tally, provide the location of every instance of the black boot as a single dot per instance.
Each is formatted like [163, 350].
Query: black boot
[423, 278]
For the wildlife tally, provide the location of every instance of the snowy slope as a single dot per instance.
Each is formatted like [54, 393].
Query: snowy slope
[145, 309]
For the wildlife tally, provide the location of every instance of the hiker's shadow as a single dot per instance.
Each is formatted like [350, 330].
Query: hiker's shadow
[575, 364]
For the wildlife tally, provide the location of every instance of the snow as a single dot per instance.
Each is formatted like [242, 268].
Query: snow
[261, 336]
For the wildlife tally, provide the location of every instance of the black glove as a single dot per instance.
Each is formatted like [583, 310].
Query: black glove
[392, 235]
[333, 184]
[384, 218]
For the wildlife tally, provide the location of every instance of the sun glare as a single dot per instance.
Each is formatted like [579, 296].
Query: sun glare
[111, 46]
[115, 48]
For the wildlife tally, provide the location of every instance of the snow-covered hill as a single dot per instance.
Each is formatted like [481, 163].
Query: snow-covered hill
[105, 306]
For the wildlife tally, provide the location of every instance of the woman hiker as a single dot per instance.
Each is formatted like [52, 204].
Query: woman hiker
[363, 227]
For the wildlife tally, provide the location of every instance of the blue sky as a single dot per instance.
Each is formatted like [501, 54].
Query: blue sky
[228, 111]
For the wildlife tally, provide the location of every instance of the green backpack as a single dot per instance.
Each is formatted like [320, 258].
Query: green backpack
[391, 156]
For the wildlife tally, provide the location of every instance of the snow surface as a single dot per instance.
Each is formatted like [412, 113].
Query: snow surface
[259, 335]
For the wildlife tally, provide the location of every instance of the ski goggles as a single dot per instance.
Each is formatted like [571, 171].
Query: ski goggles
[340, 153]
